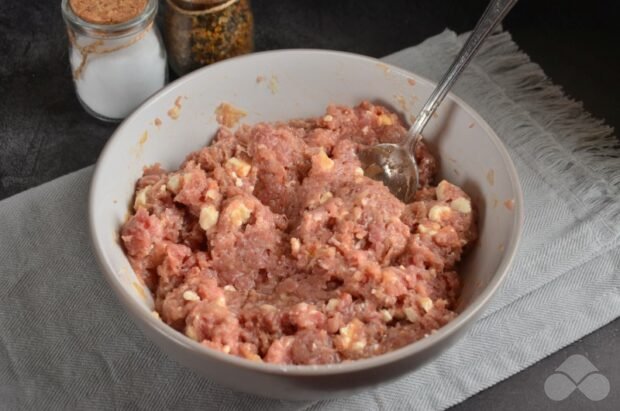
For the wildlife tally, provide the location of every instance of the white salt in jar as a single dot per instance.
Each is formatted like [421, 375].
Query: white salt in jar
[116, 53]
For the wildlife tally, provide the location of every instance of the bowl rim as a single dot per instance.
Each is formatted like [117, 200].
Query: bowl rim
[141, 313]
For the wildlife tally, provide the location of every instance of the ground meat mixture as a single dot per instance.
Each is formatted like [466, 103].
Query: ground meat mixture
[272, 245]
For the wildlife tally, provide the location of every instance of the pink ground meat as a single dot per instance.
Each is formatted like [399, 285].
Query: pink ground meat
[272, 245]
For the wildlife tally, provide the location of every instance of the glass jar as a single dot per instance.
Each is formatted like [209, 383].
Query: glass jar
[117, 56]
[201, 32]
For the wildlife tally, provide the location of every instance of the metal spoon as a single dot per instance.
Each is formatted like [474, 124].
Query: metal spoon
[395, 164]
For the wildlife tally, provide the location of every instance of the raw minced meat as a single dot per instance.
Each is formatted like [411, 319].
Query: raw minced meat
[272, 245]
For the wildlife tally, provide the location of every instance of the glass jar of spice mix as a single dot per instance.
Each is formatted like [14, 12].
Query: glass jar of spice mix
[201, 32]
[116, 53]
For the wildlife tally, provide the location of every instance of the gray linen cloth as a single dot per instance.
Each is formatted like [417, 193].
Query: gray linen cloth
[65, 342]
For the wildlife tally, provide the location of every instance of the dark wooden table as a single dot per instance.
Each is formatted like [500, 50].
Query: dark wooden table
[44, 133]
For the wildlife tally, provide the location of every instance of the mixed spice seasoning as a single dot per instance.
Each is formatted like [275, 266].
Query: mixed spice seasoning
[201, 32]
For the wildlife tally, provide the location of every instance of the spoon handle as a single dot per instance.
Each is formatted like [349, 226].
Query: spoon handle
[494, 13]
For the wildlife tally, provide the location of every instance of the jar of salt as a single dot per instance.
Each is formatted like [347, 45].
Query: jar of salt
[116, 53]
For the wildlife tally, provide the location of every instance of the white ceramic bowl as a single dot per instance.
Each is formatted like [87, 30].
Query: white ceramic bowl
[283, 85]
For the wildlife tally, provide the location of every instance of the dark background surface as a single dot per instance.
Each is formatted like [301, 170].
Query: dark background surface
[44, 133]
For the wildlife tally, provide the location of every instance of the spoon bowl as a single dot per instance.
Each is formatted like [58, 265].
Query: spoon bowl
[395, 164]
